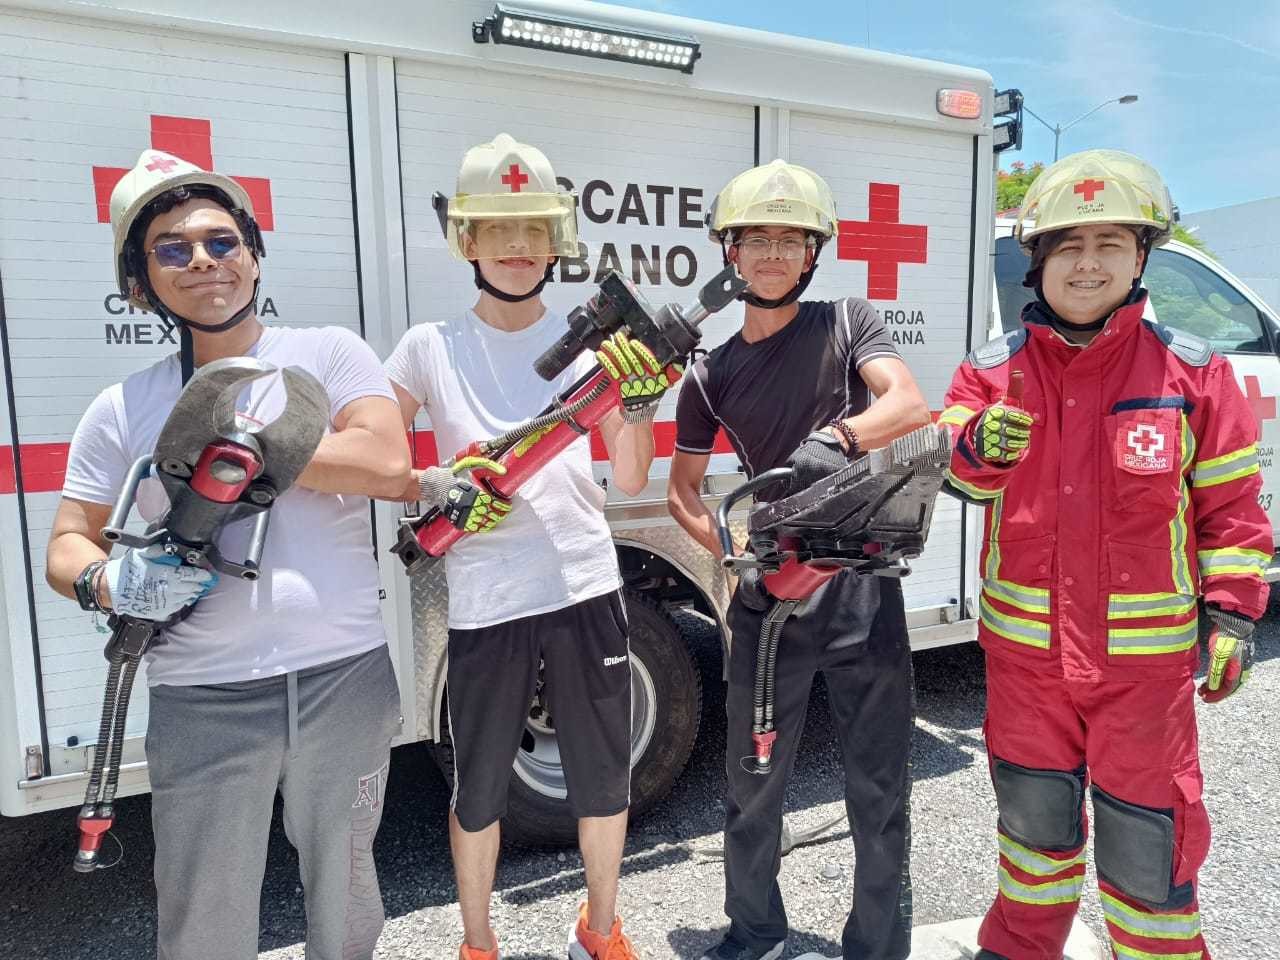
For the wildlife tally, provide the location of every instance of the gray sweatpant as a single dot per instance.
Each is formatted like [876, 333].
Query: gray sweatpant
[217, 755]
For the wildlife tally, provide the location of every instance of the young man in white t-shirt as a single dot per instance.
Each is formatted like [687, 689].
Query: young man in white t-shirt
[541, 586]
[283, 683]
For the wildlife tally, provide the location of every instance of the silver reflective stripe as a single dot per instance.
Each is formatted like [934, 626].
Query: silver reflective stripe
[1034, 862]
[1161, 926]
[1032, 599]
[1124, 606]
[1153, 640]
[1231, 467]
[1044, 894]
[1014, 628]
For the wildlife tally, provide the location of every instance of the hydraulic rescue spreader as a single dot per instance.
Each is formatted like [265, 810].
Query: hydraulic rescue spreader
[868, 518]
[670, 333]
[215, 472]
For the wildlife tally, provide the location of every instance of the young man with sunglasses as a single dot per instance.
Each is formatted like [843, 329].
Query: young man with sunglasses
[794, 387]
[284, 683]
[538, 594]
[1120, 481]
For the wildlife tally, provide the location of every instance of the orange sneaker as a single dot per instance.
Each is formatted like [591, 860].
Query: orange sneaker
[471, 953]
[586, 944]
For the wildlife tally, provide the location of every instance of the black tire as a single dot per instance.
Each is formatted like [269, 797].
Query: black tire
[661, 663]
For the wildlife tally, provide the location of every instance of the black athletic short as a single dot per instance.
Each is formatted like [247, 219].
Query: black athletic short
[586, 672]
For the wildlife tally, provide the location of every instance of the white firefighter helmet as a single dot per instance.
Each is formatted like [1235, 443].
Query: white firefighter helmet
[157, 172]
[1096, 186]
[510, 187]
[774, 194]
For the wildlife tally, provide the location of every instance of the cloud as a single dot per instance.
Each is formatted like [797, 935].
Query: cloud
[1203, 34]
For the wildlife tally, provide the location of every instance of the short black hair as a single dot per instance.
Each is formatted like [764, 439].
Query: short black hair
[134, 255]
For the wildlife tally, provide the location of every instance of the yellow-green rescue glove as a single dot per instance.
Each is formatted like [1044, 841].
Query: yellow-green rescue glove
[1230, 654]
[1002, 434]
[467, 505]
[641, 378]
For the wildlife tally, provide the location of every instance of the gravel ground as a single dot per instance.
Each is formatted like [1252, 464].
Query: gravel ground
[672, 891]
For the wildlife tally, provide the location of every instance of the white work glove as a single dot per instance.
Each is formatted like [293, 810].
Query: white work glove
[153, 585]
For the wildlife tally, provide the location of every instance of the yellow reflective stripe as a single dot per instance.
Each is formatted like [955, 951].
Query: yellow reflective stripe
[1179, 535]
[978, 493]
[1228, 467]
[1042, 894]
[1030, 632]
[994, 514]
[1234, 561]
[1030, 599]
[1159, 926]
[1033, 861]
[1132, 606]
[1122, 641]
[1132, 953]
[957, 415]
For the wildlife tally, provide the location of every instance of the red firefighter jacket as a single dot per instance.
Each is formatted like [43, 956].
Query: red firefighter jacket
[1138, 492]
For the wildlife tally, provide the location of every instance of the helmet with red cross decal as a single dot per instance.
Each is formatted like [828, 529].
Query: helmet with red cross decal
[508, 189]
[1096, 186]
[155, 174]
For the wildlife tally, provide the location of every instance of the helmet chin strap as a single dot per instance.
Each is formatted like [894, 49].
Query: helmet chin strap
[788, 298]
[186, 351]
[1136, 293]
[505, 297]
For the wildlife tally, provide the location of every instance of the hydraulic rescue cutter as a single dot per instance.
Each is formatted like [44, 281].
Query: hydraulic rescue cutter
[215, 472]
[868, 517]
[670, 332]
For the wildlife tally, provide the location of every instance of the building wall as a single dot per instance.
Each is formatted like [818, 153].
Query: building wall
[1244, 237]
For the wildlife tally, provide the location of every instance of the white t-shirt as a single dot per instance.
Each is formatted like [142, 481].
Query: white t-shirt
[554, 548]
[316, 600]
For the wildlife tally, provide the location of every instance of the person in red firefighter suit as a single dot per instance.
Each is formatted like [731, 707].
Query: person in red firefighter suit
[1117, 461]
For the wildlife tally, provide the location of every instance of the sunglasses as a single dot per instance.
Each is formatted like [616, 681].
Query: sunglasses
[179, 253]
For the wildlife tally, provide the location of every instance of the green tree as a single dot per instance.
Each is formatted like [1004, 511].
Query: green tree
[1012, 184]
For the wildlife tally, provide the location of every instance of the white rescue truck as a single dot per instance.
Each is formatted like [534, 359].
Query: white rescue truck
[341, 127]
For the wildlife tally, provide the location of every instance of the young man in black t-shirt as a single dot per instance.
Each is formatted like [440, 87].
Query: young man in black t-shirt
[795, 387]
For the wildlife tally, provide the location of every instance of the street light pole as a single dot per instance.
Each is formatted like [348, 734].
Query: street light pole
[1058, 128]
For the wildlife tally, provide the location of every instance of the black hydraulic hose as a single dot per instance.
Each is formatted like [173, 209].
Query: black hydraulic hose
[762, 659]
[104, 732]
[558, 414]
[117, 732]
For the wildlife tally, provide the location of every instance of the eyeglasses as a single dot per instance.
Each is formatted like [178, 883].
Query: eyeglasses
[789, 248]
[179, 253]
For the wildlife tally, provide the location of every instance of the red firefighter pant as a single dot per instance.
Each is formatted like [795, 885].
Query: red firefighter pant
[1137, 742]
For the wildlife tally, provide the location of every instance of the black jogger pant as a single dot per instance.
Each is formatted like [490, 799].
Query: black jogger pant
[854, 631]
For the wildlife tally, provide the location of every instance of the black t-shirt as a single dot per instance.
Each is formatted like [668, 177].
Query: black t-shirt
[771, 394]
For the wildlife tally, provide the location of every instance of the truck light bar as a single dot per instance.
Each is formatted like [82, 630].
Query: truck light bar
[523, 28]
[1008, 135]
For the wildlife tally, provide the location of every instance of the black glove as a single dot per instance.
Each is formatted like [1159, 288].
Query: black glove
[819, 455]
[752, 591]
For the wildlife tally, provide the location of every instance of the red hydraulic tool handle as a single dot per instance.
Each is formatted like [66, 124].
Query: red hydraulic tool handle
[527, 458]
[1013, 395]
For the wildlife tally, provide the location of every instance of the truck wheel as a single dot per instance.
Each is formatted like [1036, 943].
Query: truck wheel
[666, 706]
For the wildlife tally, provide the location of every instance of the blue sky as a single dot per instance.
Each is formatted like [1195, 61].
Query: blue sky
[1207, 74]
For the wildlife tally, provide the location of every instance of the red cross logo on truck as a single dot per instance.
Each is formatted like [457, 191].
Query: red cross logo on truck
[882, 241]
[1264, 408]
[192, 140]
[1087, 188]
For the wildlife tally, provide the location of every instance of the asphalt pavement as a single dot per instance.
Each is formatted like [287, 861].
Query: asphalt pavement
[672, 888]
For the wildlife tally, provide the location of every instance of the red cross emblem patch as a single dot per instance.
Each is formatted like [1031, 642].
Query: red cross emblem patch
[1143, 446]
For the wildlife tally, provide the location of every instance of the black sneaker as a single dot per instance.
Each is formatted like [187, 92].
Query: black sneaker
[730, 949]
[985, 954]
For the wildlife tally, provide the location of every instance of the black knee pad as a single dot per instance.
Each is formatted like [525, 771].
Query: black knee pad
[1134, 850]
[1040, 808]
